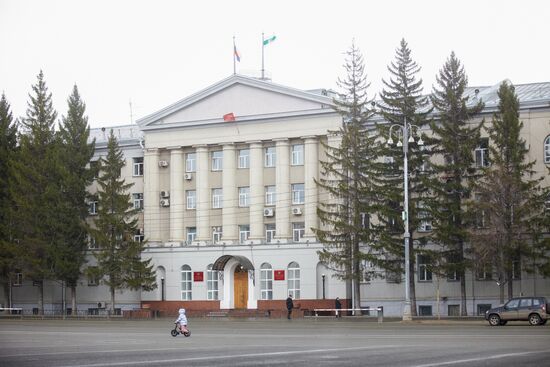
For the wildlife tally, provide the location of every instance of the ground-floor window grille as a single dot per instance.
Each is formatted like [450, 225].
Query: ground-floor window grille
[294, 280]
[212, 283]
[266, 281]
[424, 310]
[186, 283]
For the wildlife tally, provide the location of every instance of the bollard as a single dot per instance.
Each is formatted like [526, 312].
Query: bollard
[380, 314]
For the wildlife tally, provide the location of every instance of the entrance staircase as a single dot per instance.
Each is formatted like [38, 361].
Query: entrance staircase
[239, 313]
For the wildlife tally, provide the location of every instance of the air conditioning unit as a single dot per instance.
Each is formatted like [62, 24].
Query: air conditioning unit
[425, 227]
[101, 305]
[163, 163]
[165, 202]
[188, 176]
[297, 211]
[165, 194]
[269, 212]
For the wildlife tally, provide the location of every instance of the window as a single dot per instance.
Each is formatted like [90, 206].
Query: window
[424, 310]
[244, 197]
[423, 215]
[484, 272]
[453, 310]
[270, 157]
[298, 231]
[93, 278]
[217, 160]
[191, 199]
[92, 207]
[424, 272]
[547, 150]
[516, 269]
[94, 167]
[270, 195]
[294, 280]
[482, 153]
[138, 236]
[18, 280]
[186, 283]
[453, 261]
[269, 233]
[217, 198]
[365, 220]
[138, 166]
[482, 308]
[138, 200]
[191, 162]
[481, 217]
[211, 283]
[244, 233]
[266, 281]
[514, 303]
[217, 234]
[244, 158]
[191, 234]
[298, 195]
[92, 244]
[526, 302]
[297, 155]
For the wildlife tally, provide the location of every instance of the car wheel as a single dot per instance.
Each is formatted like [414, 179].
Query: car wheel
[534, 319]
[494, 320]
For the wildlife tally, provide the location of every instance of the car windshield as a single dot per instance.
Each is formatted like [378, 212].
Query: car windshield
[512, 303]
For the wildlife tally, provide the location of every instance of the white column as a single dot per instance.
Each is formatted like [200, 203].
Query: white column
[204, 232]
[229, 220]
[311, 173]
[151, 204]
[256, 191]
[282, 208]
[177, 197]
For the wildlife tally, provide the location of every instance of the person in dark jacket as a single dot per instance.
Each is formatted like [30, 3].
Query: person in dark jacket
[289, 305]
[338, 307]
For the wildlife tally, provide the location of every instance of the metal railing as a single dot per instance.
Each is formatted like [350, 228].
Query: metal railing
[337, 311]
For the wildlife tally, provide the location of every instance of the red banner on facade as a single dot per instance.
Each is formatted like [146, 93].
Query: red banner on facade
[198, 276]
[279, 275]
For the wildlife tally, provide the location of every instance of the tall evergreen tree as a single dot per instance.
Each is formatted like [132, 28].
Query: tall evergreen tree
[350, 176]
[402, 103]
[76, 176]
[454, 141]
[8, 145]
[119, 263]
[510, 194]
[36, 189]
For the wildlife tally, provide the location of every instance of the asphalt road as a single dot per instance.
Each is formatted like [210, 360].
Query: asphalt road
[301, 342]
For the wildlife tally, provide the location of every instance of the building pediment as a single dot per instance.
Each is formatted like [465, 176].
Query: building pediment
[246, 98]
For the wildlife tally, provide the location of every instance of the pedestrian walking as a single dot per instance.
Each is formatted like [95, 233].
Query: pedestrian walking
[338, 306]
[289, 305]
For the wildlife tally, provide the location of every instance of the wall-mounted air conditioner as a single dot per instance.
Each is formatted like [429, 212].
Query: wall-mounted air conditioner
[165, 194]
[165, 202]
[188, 176]
[269, 212]
[297, 211]
[163, 163]
[101, 305]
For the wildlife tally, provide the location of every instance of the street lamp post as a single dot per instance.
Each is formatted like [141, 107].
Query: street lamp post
[162, 289]
[406, 137]
[323, 276]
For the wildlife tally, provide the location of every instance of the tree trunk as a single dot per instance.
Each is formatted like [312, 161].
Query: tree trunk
[6, 287]
[73, 300]
[510, 284]
[40, 297]
[462, 274]
[112, 305]
[412, 263]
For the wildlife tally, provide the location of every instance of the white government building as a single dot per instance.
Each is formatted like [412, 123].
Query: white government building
[225, 178]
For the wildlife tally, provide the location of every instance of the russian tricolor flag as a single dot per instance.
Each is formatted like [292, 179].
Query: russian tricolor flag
[236, 54]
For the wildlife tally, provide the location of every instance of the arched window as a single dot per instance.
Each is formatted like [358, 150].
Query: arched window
[266, 281]
[294, 280]
[547, 150]
[211, 283]
[186, 283]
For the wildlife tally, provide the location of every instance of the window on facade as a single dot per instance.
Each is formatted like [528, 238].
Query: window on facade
[244, 233]
[424, 272]
[217, 234]
[270, 157]
[453, 310]
[453, 261]
[94, 167]
[294, 280]
[484, 272]
[266, 281]
[18, 280]
[298, 194]
[93, 278]
[217, 198]
[186, 283]
[424, 310]
[191, 199]
[423, 215]
[298, 231]
[365, 220]
[244, 197]
[270, 233]
[270, 195]
[138, 236]
[92, 244]
[481, 216]
[191, 234]
[482, 153]
[244, 158]
[138, 200]
[92, 207]
[211, 283]
[297, 155]
[217, 160]
[191, 162]
[138, 166]
[547, 150]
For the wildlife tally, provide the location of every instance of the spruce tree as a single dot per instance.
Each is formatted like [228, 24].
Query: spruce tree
[509, 192]
[9, 258]
[349, 175]
[402, 103]
[76, 176]
[455, 137]
[36, 188]
[119, 263]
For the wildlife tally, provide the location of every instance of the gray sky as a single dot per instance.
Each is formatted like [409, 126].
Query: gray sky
[155, 53]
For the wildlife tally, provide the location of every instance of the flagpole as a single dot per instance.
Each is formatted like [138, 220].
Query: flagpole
[234, 57]
[263, 45]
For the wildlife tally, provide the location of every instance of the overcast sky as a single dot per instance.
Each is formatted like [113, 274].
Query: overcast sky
[154, 53]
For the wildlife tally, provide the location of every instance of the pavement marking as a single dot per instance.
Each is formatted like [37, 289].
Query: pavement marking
[248, 355]
[496, 356]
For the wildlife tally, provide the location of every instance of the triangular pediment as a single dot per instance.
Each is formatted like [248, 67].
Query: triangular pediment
[246, 98]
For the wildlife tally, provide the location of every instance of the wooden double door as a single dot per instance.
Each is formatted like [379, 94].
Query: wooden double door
[240, 288]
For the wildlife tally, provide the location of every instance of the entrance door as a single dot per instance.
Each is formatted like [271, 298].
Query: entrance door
[240, 286]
